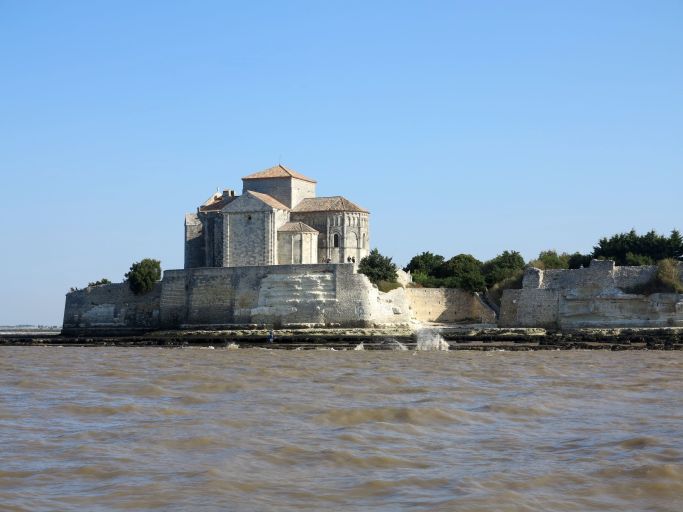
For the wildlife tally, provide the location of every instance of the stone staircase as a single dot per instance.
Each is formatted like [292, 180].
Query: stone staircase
[277, 289]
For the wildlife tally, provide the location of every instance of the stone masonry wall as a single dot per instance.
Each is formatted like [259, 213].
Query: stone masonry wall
[448, 305]
[194, 242]
[590, 297]
[112, 307]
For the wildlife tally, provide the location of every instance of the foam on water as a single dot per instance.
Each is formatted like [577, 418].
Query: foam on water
[430, 340]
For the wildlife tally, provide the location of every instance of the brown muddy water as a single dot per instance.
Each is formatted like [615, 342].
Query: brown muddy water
[198, 429]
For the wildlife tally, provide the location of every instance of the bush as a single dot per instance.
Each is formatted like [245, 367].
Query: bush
[378, 268]
[666, 280]
[669, 276]
[512, 282]
[143, 274]
[387, 286]
[104, 280]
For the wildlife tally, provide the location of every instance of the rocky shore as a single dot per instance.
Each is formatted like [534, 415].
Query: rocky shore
[458, 337]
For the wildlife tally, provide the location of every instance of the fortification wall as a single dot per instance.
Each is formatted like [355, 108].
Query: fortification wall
[280, 295]
[448, 305]
[112, 307]
[590, 297]
[321, 294]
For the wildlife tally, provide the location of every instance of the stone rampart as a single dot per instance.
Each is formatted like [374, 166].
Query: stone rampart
[277, 295]
[597, 296]
[112, 307]
[448, 305]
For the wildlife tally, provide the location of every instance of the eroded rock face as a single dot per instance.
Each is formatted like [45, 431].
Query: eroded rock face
[590, 297]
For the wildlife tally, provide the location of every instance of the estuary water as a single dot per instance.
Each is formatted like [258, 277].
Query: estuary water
[199, 429]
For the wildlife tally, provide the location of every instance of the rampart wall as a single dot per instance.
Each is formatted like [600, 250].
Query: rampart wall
[112, 306]
[278, 295]
[448, 305]
[596, 296]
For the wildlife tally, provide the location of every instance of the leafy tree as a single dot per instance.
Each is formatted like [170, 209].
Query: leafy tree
[550, 259]
[425, 263]
[378, 268]
[104, 280]
[503, 266]
[143, 274]
[462, 271]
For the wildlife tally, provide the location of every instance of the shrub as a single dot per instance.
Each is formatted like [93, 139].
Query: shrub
[378, 268]
[143, 274]
[666, 280]
[669, 276]
[512, 282]
[104, 280]
[387, 286]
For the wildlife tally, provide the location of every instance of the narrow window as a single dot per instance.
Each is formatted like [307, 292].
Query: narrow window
[335, 241]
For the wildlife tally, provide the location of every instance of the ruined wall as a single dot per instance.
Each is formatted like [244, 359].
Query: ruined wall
[112, 307]
[590, 297]
[448, 305]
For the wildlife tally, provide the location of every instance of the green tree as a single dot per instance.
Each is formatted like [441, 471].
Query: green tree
[634, 249]
[462, 271]
[505, 265]
[143, 274]
[378, 268]
[551, 259]
[425, 263]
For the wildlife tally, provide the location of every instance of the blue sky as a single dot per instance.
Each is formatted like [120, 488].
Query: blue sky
[463, 126]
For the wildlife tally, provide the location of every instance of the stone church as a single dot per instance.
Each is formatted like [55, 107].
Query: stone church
[278, 220]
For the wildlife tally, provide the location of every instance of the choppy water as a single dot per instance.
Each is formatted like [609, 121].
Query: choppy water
[194, 429]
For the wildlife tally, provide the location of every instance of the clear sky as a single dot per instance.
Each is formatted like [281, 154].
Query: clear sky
[466, 127]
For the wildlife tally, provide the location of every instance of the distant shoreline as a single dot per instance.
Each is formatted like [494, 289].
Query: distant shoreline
[458, 338]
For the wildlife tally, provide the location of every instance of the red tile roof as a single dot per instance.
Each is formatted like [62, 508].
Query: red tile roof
[327, 204]
[269, 200]
[298, 227]
[279, 171]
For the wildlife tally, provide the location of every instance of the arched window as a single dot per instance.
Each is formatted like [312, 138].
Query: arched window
[335, 240]
[363, 246]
